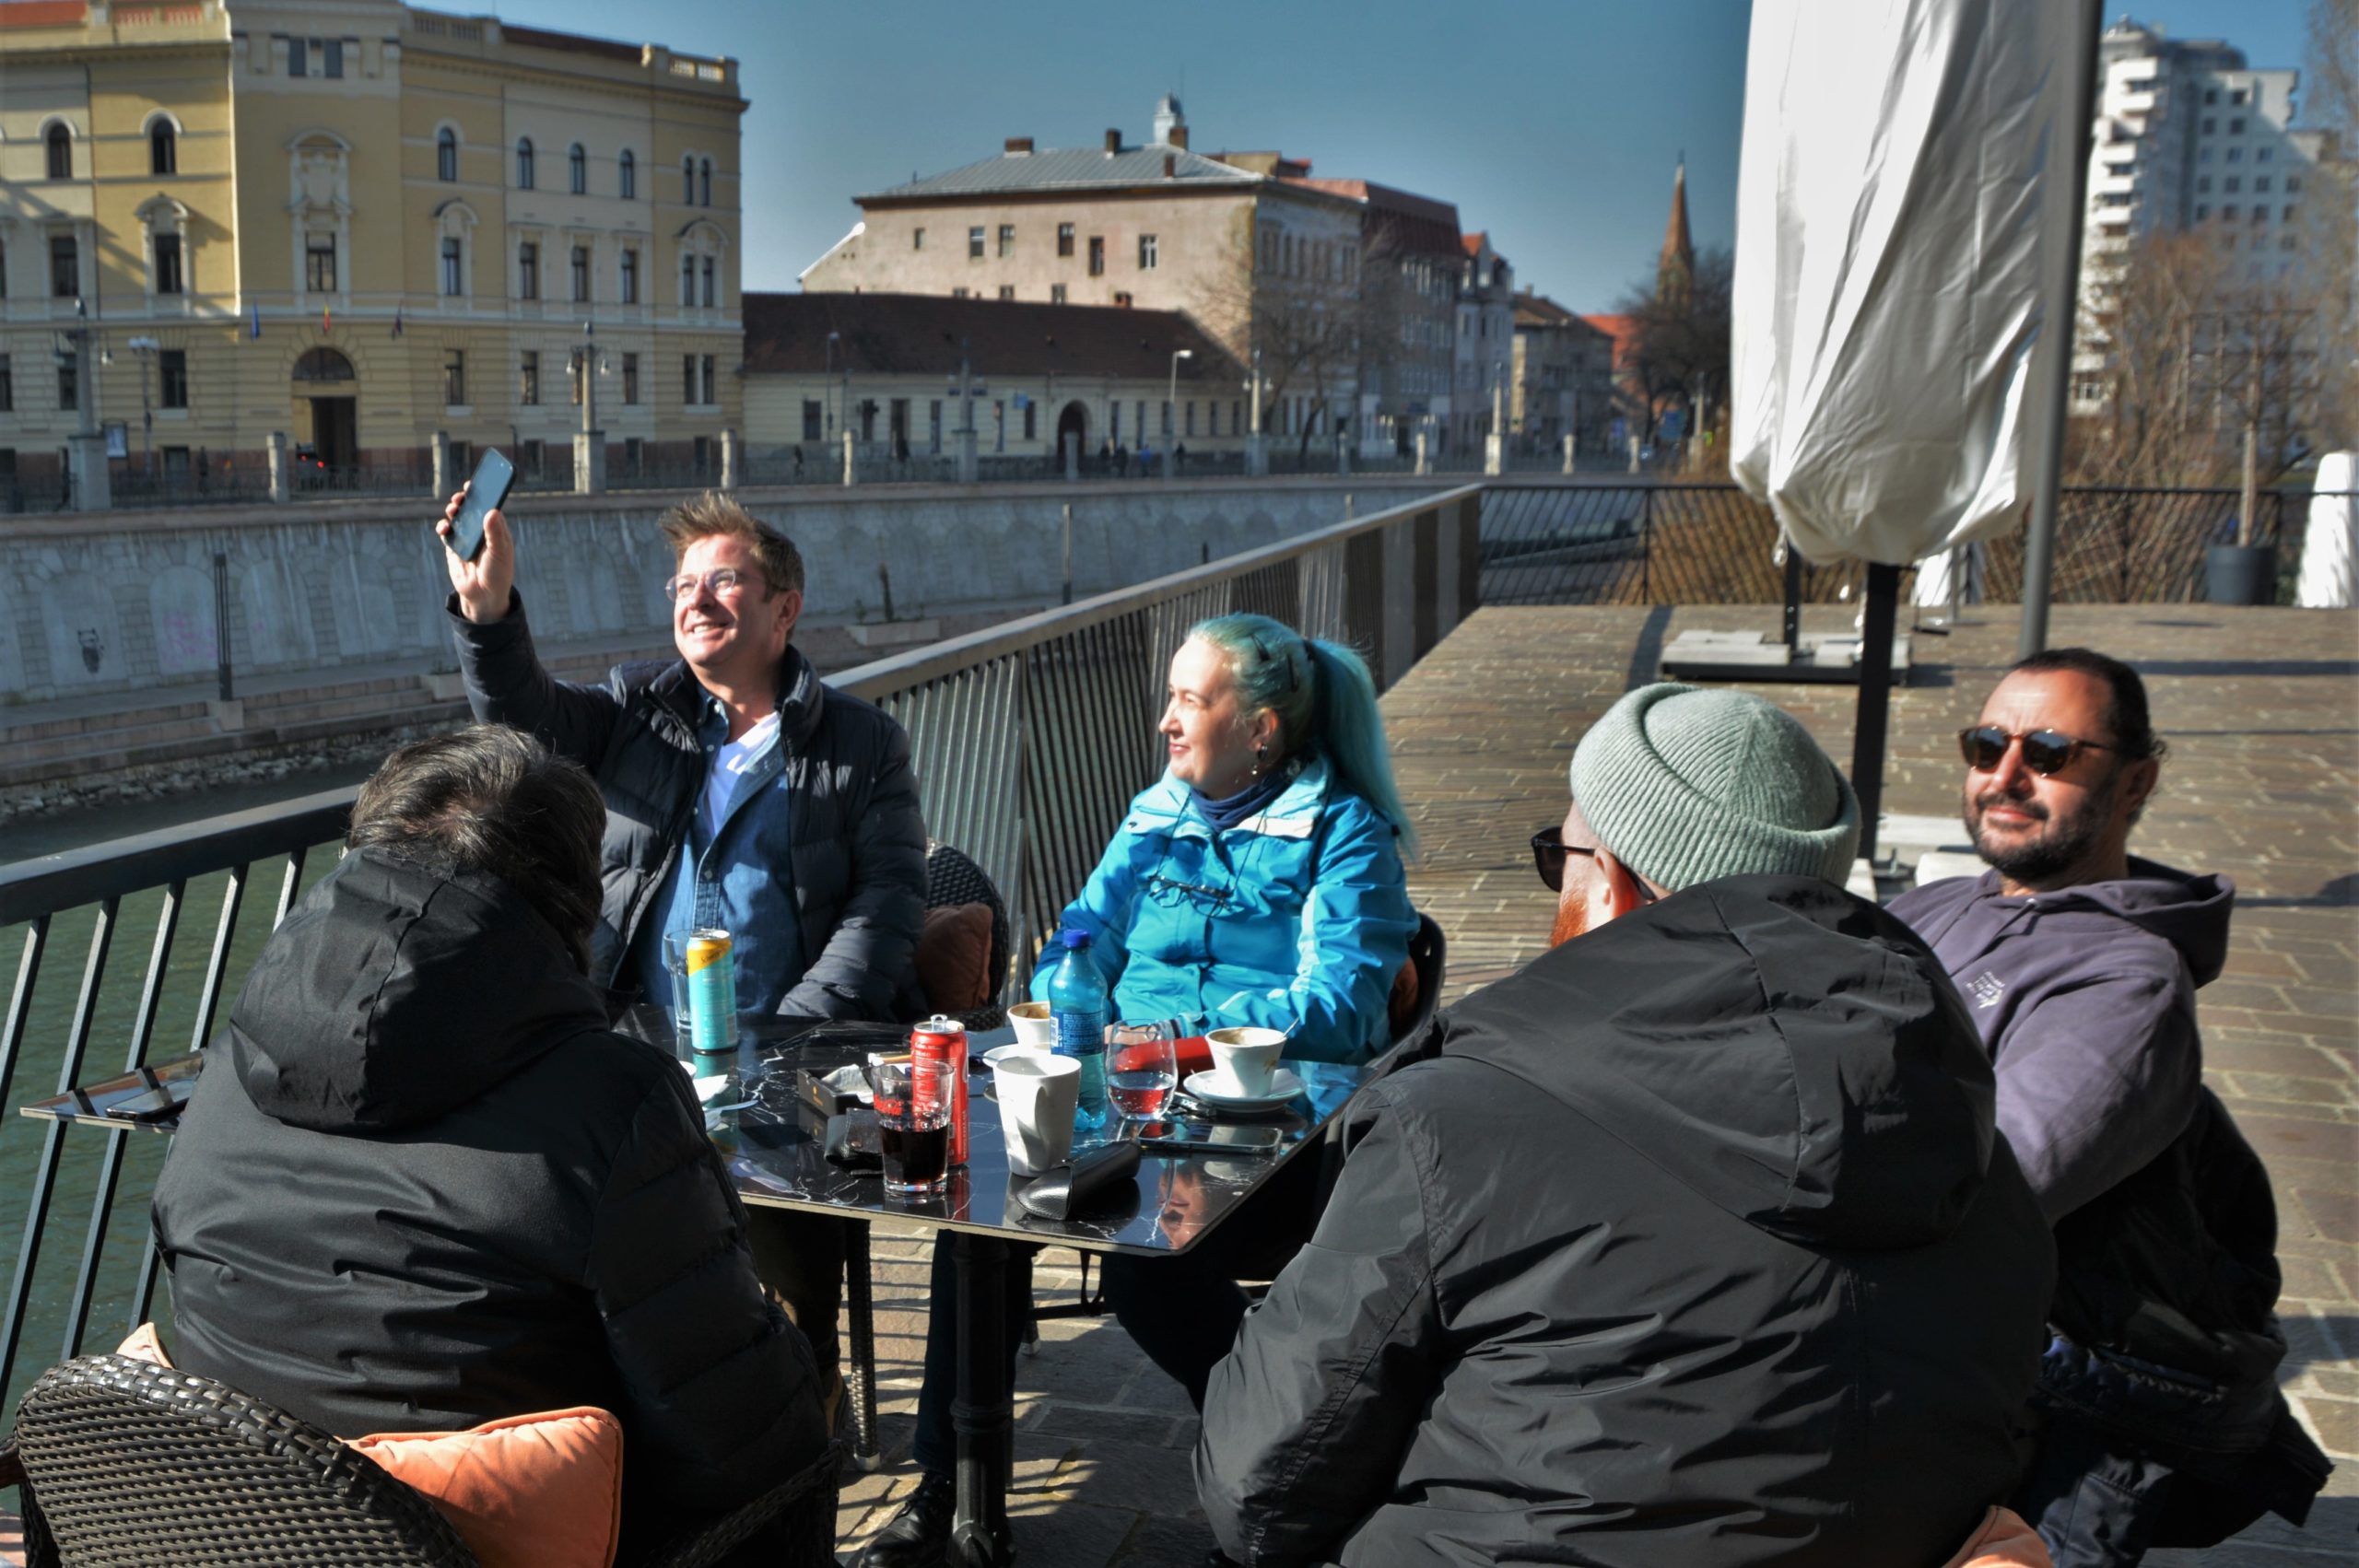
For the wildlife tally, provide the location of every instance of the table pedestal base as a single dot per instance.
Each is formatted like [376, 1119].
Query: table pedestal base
[984, 1413]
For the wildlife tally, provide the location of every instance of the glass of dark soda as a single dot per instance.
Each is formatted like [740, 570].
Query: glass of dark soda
[913, 1101]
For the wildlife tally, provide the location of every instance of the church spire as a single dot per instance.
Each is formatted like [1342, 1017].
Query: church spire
[1677, 267]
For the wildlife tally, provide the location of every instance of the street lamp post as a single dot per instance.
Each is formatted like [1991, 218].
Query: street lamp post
[146, 348]
[590, 443]
[1171, 415]
[87, 447]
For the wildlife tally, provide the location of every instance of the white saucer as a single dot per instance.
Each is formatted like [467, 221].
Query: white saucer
[1217, 1090]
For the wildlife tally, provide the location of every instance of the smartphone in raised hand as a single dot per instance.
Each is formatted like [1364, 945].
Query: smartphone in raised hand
[486, 493]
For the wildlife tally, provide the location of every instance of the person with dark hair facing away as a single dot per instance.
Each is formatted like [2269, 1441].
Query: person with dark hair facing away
[2078, 962]
[1259, 882]
[741, 793]
[1689, 1243]
[421, 1186]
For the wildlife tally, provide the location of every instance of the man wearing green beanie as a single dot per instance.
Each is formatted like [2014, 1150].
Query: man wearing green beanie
[1690, 1242]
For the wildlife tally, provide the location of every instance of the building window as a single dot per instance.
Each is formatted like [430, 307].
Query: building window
[1008, 291]
[453, 261]
[163, 149]
[689, 182]
[2211, 95]
[1235, 415]
[917, 238]
[2293, 183]
[2228, 213]
[319, 263]
[2202, 212]
[1122, 299]
[581, 274]
[69, 385]
[577, 171]
[2288, 215]
[704, 183]
[172, 368]
[446, 155]
[688, 380]
[626, 175]
[525, 164]
[2236, 154]
[528, 270]
[1146, 252]
[957, 294]
[2203, 183]
[1096, 256]
[688, 282]
[1006, 240]
[1142, 419]
[528, 382]
[1031, 420]
[630, 381]
[2233, 184]
[7, 387]
[454, 379]
[167, 263]
[2211, 125]
[2236, 97]
[711, 295]
[2260, 214]
[332, 55]
[2262, 155]
[1064, 240]
[61, 152]
[975, 243]
[630, 277]
[297, 57]
[711, 397]
[811, 419]
[535, 456]
[2236, 125]
[1189, 424]
[1167, 421]
[1056, 294]
[933, 424]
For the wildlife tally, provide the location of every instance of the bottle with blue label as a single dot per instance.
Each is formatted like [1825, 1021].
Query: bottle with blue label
[1077, 1006]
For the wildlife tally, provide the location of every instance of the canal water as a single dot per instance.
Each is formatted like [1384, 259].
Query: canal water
[80, 1156]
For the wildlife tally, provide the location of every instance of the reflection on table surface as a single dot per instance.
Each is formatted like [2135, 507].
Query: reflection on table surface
[776, 1145]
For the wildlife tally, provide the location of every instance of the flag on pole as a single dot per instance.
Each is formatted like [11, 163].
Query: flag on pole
[327, 318]
[254, 330]
[397, 321]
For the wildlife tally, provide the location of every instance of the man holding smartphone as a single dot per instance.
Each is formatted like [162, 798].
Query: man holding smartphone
[741, 793]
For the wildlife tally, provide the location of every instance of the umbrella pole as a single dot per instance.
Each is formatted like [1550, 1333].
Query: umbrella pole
[1793, 604]
[1876, 699]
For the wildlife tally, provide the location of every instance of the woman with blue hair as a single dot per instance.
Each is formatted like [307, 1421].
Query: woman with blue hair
[1258, 879]
[1257, 882]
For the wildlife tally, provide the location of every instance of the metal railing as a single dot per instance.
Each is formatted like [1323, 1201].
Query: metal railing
[1029, 740]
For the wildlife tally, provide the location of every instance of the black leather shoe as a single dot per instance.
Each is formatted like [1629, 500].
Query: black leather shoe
[919, 1535]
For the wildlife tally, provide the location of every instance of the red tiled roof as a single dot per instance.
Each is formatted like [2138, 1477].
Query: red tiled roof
[920, 334]
[1474, 243]
[43, 14]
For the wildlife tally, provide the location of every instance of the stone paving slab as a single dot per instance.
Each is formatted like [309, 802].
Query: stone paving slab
[2261, 708]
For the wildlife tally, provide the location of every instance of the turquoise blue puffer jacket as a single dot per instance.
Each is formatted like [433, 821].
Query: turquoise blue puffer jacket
[1296, 919]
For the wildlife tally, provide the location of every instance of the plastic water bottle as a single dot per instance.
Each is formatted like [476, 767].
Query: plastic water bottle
[1078, 1005]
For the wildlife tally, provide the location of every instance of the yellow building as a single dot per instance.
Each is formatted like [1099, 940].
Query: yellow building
[357, 224]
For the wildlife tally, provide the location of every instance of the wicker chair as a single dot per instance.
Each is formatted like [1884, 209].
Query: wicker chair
[122, 1463]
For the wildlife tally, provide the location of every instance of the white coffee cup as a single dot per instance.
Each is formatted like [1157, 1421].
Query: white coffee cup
[1036, 1095]
[1033, 1024]
[1247, 1055]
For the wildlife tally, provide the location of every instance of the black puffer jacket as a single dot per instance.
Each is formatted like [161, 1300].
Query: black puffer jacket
[858, 835]
[1694, 1246]
[420, 1186]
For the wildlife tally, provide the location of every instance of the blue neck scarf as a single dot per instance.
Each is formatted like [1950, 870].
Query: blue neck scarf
[1248, 802]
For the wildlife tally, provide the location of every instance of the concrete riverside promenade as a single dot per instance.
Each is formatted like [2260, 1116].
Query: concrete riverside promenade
[2261, 710]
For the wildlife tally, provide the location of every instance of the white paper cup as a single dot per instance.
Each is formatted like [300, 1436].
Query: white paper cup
[1036, 1095]
[1033, 1024]
[1247, 1055]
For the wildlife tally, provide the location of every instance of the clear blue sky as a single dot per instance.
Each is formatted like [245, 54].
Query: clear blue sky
[1554, 126]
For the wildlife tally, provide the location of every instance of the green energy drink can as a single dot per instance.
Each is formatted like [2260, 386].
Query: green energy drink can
[713, 992]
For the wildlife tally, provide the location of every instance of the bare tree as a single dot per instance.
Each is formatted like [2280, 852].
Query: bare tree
[1678, 352]
[2330, 69]
[1304, 329]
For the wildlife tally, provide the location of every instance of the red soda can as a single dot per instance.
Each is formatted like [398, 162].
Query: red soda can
[941, 1038]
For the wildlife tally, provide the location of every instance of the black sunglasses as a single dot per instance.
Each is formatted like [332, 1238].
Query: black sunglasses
[1548, 852]
[2046, 752]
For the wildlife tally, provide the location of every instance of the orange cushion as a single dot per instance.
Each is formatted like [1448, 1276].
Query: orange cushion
[954, 959]
[1402, 1006]
[2004, 1541]
[144, 1345]
[542, 1491]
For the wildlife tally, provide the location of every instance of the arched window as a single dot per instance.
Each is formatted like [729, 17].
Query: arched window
[163, 149]
[60, 153]
[687, 180]
[577, 169]
[524, 163]
[704, 194]
[323, 365]
[626, 174]
[446, 155]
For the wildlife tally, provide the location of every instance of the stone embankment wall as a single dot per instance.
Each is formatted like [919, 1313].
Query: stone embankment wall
[118, 602]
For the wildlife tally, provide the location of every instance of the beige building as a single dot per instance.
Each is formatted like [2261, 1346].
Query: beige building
[899, 370]
[1563, 379]
[1268, 266]
[356, 223]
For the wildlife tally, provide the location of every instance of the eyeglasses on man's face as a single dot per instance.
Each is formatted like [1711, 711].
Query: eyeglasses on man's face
[2046, 752]
[1548, 852]
[722, 583]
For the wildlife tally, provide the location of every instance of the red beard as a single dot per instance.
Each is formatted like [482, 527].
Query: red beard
[1572, 920]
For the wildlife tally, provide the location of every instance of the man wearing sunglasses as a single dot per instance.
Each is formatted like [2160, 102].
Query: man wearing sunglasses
[1688, 1243]
[741, 793]
[2079, 963]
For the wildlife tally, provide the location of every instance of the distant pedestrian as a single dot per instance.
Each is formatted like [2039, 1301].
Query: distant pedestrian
[1121, 461]
[1179, 457]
